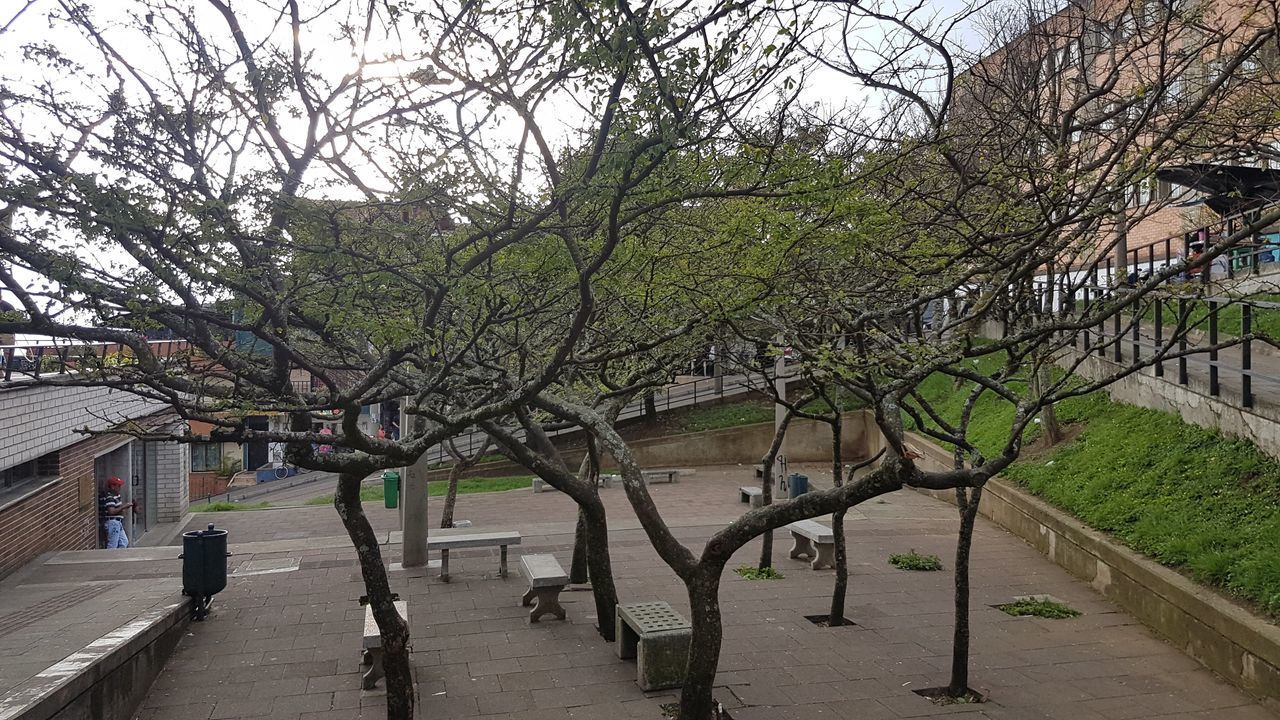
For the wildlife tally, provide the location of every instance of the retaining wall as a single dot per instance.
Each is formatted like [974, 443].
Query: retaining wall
[1218, 633]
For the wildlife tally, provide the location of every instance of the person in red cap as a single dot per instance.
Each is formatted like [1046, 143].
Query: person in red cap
[113, 512]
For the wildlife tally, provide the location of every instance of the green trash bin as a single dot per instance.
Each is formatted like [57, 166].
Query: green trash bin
[391, 488]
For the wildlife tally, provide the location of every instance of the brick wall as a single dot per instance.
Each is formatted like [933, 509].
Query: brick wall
[63, 516]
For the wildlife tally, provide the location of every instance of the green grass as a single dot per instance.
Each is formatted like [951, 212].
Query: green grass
[723, 415]
[1040, 608]
[1183, 495]
[755, 573]
[227, 507]
[1265, 320]
[372, 493]
[915, 561]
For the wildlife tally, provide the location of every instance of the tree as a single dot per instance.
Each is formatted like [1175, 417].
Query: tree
[328, 236]
[462, 462]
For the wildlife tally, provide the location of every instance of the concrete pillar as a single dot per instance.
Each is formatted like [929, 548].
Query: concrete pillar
[413, 501]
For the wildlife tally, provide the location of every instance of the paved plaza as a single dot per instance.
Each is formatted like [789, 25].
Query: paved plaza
[283, 639]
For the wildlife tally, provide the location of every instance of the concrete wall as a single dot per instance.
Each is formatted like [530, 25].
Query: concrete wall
[1192, 403]
[1209, 628]
[173, 463]
[40, 419]
[806, 441]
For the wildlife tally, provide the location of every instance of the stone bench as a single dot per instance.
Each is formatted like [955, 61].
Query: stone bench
[540, 485]
[658, 638]
[452, 539]
[671, 475]
[805, 535]
[752, 494]
[372, 646]
[546, 580]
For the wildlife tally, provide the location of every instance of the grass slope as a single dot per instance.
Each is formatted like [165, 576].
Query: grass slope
[1183, 495]
[370, 493]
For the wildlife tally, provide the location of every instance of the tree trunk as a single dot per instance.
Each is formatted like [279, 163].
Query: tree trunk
[836, 617]
[393, 629]
[696, 699]
[578, 573]
[967, 500]
[766, 485]
[589, 473]
[451, 496]
[599, 566]
[1049, 426]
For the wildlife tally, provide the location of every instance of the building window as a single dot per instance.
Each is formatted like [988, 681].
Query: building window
[206, 457]
[18, 477]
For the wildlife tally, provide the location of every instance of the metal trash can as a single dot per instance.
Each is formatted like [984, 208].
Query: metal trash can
[204, 566]
[797, 485]
[391, 488]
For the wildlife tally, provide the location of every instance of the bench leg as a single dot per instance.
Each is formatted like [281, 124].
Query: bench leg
[626, 638]
[661, 660]
[444, 566]
[826, 556]
[546, 602]
[366, 657]
[502, 562]
[374, 673]
[801, 547]
[757, 501]
[527, 599]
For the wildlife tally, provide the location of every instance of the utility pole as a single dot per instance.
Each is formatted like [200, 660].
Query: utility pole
[413, 494]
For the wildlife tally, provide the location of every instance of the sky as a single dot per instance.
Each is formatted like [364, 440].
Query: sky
[826, 89]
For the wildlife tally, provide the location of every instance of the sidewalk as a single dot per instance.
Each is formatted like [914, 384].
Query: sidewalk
[283, 640]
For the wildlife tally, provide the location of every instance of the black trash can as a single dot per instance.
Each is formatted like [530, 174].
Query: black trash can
[204, 566]
[797, 485]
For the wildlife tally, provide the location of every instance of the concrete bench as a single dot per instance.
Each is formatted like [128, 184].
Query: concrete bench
[752, 494]
[453, 539]
[540, 485]
[805, 535]
[608, 480]
[546, 580]
[372, 646]
[658, 638]
[671, 475]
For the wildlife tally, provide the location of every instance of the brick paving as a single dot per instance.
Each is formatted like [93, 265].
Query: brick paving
[285, 645]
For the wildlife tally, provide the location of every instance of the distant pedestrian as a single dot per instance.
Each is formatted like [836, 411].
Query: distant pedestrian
[113, 511]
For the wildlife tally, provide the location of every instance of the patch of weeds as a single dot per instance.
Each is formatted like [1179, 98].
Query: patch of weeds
[671, 711]
[941, 696]
[755, 573]
[1040, 607]
[915, 561]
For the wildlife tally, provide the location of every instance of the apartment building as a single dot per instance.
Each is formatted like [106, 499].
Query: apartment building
[1163, 109]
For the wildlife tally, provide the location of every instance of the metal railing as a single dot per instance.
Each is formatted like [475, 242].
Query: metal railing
[56, 358]
[683, 394]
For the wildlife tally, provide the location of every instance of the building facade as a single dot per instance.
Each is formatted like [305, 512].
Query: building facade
[51, 472]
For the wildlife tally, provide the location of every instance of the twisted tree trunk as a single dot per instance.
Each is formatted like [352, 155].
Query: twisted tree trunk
[393, 628]
[836, 617]
[697, 701]
[766, 484]
[451, 495]
[967, 500]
